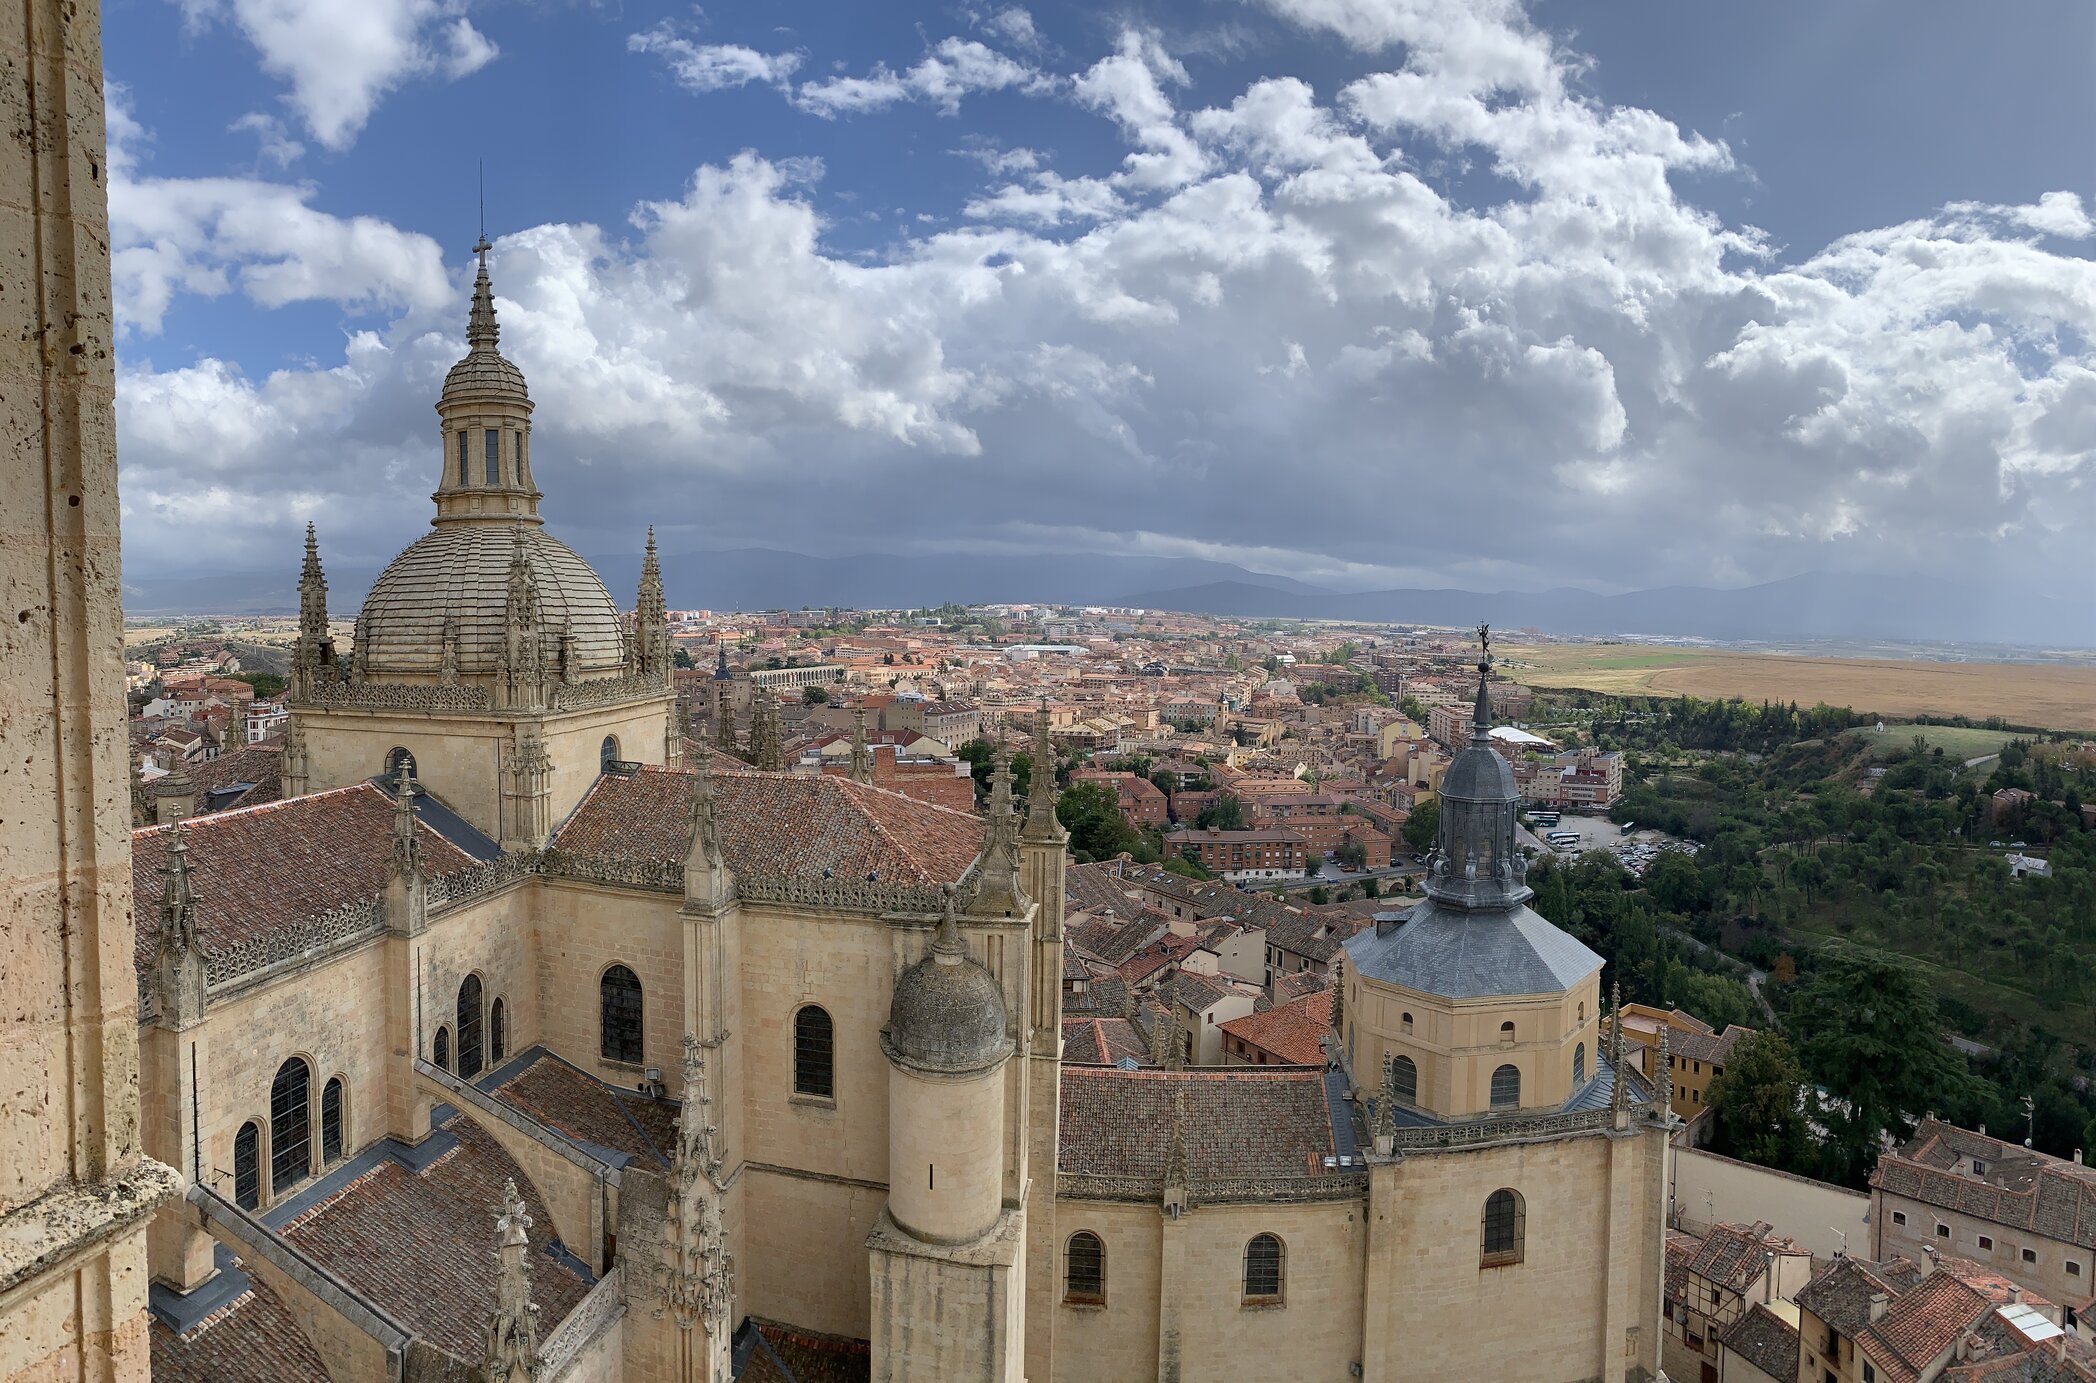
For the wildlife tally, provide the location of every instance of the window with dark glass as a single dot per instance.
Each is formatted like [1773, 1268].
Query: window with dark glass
[469, 1027]
[1262, 1268]
[812, 1052]
[1404, 1080]
[290, 1126]
[331, 1122]
[440, 1050]
[619, 1005]
[1506, 1087]
[464, 479]
[498, 1032]
[494, 456]
[247, 1167]
[1084, 1268]
[1505, 1228]
[608, 752]
[1579, 1064]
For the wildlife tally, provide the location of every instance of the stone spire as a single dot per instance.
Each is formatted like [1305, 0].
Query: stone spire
[1476, 865]
[481, 332]
[407, 842]
[522, 668]
[651, 626]
[1176, 1196]
[1339, 996]
[293, 766]
[766, 751]
[1041, 824]
[707, 879]
[313, 660]
[861, 757]
[512, 1349]
[724, 730]
[1619, 1093]
[698, 1272]
[998, 892]
[1664, 1078]
[178, 961]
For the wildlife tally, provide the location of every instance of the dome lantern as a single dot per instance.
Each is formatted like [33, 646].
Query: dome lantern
[485, 470]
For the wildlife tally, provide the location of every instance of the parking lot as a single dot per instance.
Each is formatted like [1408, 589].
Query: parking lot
[1634, 852]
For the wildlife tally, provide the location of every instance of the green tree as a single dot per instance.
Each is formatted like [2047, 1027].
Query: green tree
[815, 695]
[266, 684]
[1756, 1101]
[1091, 812]
[1223, 812]
[1179, 864]
[681, 657]
[1423, 827]
[1870, 1034]
[1352, 855]
[978, 754]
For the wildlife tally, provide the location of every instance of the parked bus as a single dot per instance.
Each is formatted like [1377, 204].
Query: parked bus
[1563, 837]
[1544, 818]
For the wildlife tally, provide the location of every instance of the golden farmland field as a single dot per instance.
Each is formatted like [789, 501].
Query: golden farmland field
[2045, 694]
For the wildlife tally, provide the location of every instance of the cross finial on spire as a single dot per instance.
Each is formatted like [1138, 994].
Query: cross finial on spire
[1483, 721]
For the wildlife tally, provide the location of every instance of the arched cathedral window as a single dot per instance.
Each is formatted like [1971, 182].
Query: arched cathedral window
[1404, 1080]
[1263, 1268]
[440, 1049]
[331, 1122]
[290, 1126]
[619, 1005]
[498, 1032]
[1506, 1087]
[813, 1035]
[1505, 1229]
[1579, 1065]
[1084, 1269]
[247, 1166]
[469, 1027]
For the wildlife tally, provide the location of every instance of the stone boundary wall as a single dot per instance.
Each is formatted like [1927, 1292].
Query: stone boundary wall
[1709, 1189]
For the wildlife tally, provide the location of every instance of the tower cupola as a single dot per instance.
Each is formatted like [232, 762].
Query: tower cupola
[486, 423]
[1476, 865]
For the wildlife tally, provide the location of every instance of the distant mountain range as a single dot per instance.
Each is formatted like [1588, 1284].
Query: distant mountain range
[1808, 607]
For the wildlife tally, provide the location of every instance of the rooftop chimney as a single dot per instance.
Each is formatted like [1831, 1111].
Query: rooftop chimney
[1878, 1303]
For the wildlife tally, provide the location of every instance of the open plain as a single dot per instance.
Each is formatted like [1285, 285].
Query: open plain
[2044, 695]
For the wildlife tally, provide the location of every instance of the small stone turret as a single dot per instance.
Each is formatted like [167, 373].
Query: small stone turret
[651, 627]
[174, 797]
[947, 1039]
[708, 883]
[861, 757]
[178, 977]
[313, 659]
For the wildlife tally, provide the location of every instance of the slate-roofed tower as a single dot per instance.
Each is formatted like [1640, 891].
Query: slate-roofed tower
[1476, 866]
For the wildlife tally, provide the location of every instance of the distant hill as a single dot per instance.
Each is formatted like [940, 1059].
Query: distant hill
[1811, 606]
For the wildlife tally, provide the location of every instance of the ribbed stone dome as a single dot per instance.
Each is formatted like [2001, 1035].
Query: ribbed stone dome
[460, 572]
[947, 1013]
[483, 373]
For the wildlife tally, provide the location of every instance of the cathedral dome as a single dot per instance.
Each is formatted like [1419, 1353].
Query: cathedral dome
[948, 1012]
[484, 373]
[455, 578]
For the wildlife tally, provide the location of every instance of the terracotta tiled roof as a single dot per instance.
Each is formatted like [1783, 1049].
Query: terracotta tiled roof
[1242, 1121]
[254, 1339]
[1103, 996]
[1732, 1255]
[1681, 1251]
[1712, 1047]
[1765, 1340]
[258, 764]
[1102, 1041]
[578, 1104]
[421, 1245]
[260, 871]
[1840, 1294]
[777, 824]
[1293, 1032]
[783, 1354]
[1919, 1326]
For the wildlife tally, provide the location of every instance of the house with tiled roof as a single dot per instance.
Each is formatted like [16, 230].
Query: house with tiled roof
[2010, 1209]
[1287, 1034]
[1698, 1055]
[1730, 1269]
[1761, 1346]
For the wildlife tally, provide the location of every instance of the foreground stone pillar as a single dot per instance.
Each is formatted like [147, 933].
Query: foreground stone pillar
[75, 1190]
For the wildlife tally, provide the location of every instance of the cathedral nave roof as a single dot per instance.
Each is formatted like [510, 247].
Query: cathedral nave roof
[776, 825]
[1242, 1123]
[261, 872]
[255, 1339]
[570, 1100]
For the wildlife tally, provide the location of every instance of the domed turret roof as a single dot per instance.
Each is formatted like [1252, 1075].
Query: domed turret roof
[1479, 774]
[484, 374]
[456, 576]
[948, 1013]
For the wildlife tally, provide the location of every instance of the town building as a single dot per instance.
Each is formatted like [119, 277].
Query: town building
[1712, 1285]
[2012, 1210]
[1247, 856]
[1696, 1055]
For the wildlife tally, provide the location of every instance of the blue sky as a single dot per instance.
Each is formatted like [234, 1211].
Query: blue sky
[1331, 287]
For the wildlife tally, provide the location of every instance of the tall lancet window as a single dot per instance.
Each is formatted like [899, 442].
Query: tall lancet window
[494, 436]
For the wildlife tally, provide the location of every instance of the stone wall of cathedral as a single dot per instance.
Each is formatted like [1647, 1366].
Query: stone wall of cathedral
[1582, 1302]
[1174, 1302]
